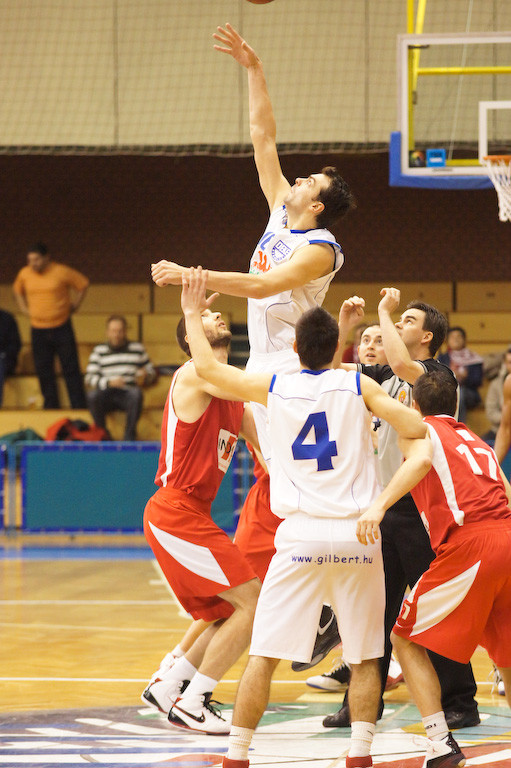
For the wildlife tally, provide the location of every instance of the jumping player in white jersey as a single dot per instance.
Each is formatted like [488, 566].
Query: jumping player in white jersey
[296, 258]
[320, 482]
[464, 598]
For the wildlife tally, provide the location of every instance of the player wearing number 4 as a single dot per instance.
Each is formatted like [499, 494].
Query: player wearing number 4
[464, 598]
[322, 476]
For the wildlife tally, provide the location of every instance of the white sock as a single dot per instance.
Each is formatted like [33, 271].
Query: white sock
[239, 742]
[180, 670]
[362, 735]
[435, 726]
[178, 651]
[199, 685]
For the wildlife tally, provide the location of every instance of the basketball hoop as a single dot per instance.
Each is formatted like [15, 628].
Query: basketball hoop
[499, 171]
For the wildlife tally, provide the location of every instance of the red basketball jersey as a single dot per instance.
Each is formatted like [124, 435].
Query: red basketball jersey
[464, 484]
[194, 457]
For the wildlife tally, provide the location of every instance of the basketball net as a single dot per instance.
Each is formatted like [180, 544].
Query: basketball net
[499, 171]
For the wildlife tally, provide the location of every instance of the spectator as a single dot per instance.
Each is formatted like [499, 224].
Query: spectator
[10, 345]
[467, 366]
[49, 292]
[495, 398]
[116, 372]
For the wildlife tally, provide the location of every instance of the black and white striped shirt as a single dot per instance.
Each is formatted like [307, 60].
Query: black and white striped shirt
[106, 363]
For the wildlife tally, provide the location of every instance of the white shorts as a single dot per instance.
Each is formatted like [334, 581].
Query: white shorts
[285, 361]
[320, 560]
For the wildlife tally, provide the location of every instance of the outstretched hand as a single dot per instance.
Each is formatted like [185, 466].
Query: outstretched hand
[351, 312]
[193, 294]
[390, 301]
[233, 44]
[167, 273]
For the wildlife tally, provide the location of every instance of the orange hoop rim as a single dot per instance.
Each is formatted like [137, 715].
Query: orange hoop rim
[497, 159]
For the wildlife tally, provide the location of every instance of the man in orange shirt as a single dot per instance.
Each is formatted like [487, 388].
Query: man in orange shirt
[49, 293]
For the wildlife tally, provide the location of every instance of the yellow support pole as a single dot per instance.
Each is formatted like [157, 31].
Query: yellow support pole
[417, 26]
[505, 70]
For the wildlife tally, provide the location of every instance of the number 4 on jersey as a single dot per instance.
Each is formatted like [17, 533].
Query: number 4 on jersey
[322, 449]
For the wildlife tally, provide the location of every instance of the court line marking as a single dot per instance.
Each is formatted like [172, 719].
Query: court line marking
[86, 602]
[118, 680]
[81, 628]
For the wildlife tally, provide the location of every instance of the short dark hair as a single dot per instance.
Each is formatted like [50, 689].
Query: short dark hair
[180, 336]
[120, 318]
[435, 321]
[337, 199]
[436, 392]
[459, 329]
[40, 248]
[317, 334]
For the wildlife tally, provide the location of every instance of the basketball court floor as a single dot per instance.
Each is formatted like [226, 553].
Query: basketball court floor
[84, 624]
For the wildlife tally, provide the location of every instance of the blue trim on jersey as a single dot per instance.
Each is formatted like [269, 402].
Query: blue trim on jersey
[272, 382]
[359, 390]
[314, 373]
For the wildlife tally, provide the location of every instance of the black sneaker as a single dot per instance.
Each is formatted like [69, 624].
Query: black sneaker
[327, 638]
[333, 681]
[443, 754]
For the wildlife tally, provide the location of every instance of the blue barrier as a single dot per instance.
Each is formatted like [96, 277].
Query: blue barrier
[95, 486]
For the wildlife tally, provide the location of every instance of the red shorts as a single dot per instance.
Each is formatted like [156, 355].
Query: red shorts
[464, 598]
[256, 527]
[198, 559]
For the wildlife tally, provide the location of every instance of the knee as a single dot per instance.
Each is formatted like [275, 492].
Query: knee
[134, 396]
[398, 642]
[94, 396]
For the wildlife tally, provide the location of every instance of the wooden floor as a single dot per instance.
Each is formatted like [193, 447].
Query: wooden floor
[83, 629]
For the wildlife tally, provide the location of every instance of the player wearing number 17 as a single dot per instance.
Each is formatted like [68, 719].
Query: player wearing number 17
[464, 598]
[322, 476]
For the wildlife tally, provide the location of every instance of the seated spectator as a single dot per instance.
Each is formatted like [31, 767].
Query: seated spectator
[495, 398]
[10, 345]
[467, 366]
[116, 372]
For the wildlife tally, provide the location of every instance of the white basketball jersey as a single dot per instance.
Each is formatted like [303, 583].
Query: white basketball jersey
[323, 459]
[272, 321]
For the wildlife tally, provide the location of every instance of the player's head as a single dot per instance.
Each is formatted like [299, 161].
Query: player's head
[317, 337]
[422, 326]
[217, 333]
[436, 392]
[325, 195]
[336, 197]
[370, 348]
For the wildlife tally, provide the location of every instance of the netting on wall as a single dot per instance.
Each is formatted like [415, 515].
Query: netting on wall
[142, 75]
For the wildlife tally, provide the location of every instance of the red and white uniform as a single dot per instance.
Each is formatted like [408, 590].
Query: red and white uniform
[464, 598]
[196, 556]
[257, 524]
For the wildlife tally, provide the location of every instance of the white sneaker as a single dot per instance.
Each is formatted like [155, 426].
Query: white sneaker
[162, 694]
[204, 719]
[443, 754]
[498, 681]
[166, 663]
[335, 680]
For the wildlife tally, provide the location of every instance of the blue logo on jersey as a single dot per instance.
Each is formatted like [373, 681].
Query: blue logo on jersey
[280, 251]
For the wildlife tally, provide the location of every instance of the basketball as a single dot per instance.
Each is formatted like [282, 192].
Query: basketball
[260, 2]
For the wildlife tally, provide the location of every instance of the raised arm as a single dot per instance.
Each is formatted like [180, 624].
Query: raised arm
[351, 314]
[397, 354]
[418, 455]
[263, 128]
[308, 263]
[225, 377]
[406, 421]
